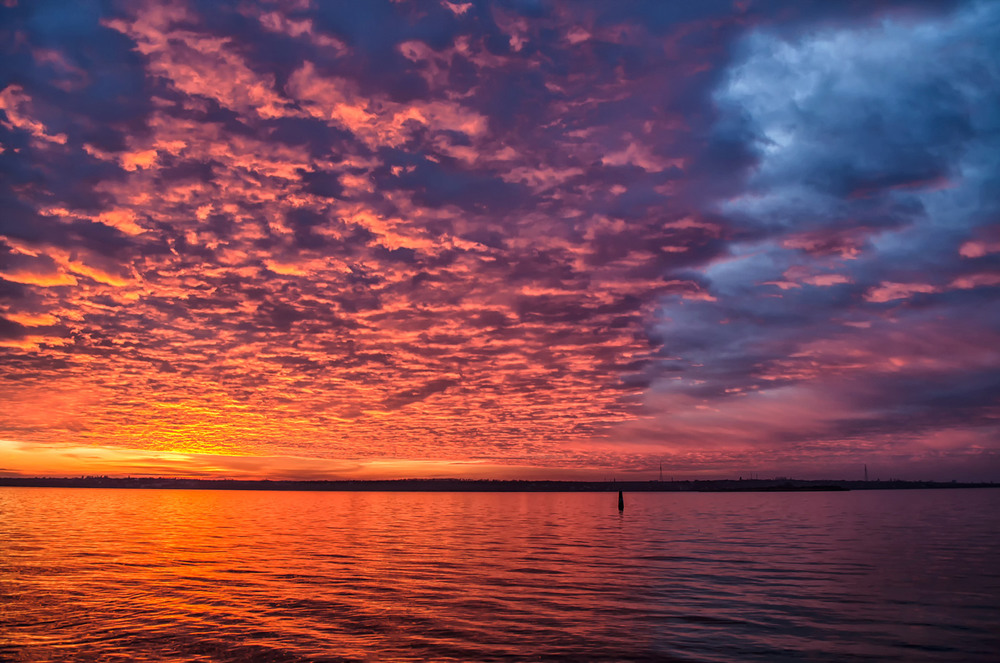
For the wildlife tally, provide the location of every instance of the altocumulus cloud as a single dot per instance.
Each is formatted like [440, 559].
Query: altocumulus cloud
[565, 236]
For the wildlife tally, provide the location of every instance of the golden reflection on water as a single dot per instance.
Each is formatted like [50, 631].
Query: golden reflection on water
[241, 575]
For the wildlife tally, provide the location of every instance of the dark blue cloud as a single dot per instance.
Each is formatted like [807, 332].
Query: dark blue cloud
[865, 156]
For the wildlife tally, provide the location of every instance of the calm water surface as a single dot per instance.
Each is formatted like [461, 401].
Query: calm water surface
[88, 574]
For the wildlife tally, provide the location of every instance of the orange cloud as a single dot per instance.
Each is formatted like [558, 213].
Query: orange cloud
[122, 219]
[201, 64]
[32, 319]
[43, 279]
[136, 160]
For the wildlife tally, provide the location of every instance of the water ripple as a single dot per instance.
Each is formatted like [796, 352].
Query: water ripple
[104, 575]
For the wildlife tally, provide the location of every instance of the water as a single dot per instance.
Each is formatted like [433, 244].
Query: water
[133, 575]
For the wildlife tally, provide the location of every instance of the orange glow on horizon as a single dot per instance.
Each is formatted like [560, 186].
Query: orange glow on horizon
[27, 459]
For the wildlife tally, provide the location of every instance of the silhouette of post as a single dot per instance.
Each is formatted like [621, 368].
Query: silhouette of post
[621, 501]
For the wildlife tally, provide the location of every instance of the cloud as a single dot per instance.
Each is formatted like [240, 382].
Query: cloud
[865, 213]
[547, 236]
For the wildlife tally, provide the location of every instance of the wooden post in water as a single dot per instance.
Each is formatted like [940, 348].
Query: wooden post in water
[621, 501]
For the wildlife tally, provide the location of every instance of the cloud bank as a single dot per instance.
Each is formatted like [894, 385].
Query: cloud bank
[761, 235]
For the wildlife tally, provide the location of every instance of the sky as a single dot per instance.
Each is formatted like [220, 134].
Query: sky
[518, 239]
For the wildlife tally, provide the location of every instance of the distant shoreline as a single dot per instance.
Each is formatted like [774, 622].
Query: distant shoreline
[488, 485]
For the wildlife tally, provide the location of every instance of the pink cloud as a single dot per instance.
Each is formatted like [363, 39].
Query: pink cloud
[981, 279]
[795, 277]
[888, 291]
[16, 106]
[377, 121]
[978, 249]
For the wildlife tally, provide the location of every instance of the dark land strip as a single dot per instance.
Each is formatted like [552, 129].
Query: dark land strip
[487, 485]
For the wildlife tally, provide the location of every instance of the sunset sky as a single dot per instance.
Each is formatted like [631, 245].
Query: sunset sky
[509, 239]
